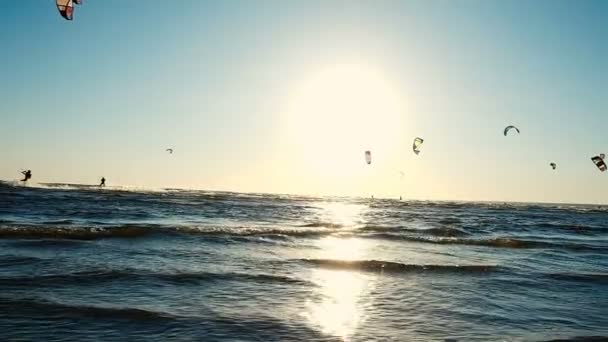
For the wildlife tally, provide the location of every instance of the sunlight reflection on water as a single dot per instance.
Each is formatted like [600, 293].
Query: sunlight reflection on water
[337, 307]
[343, 214]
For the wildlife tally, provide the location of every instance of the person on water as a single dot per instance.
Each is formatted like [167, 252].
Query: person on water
[103, 182]
[27, 175]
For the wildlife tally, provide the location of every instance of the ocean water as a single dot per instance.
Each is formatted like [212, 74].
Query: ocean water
[82, 263]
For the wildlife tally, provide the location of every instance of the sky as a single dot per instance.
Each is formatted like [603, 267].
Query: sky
[285, 96]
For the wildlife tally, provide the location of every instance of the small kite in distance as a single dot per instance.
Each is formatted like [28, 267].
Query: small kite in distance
[368, 157]
[170, 150]
[599, 162]
[553, 166]
[417, 143]
[508, 128]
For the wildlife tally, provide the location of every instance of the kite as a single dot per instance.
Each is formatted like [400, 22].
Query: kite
[508, 128]
[599, 162]
[66, 8]
[417, 143]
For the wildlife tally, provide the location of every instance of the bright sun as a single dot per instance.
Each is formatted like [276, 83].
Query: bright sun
[336, 114]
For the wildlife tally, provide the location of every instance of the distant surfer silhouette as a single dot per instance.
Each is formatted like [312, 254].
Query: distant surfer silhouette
[26, 175]
[103, 182]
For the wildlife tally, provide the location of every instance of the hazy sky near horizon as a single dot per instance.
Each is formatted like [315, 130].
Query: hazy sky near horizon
[285, 96]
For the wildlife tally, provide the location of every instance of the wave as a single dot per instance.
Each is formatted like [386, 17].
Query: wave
[233, 276]
[73, 233]
[45, 308]
[321, 225]
[445, 232]
[94, 277]
[439, 231]
[566, 227]
[450, 220]
[145, 230]
[395, 267]
[522, 243]
[441, 236]
[597, 278]
[17, 260]
[500, 242]
[48, 243]
[590, 338]
[58, 222]
[515, 206]
[254, 232]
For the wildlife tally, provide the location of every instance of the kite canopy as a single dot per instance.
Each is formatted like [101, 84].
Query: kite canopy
[66, 8]
[508, 128]
[368, 157]
[170, 150]
[599, 162]
[417, 143]
[553, 166]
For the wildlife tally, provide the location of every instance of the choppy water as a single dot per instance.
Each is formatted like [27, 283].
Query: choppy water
[80, 263]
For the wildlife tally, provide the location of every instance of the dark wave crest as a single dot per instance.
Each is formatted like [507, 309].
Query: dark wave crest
[438, 231]
[596, 278]
[568, 228]
[145, 277]
[39, 307]
[143, 230]
[73, 233]
[322, 225]
[389, 266]
[17, 260]
[59, 222]
[445, 232]
[500, 242]
[582, 339]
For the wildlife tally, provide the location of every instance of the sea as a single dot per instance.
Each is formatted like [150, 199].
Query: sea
[82, 263]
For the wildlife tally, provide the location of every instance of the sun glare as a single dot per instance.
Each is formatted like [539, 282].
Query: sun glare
[338, 306]
[339, 309]
[336, 114]
[347, 215]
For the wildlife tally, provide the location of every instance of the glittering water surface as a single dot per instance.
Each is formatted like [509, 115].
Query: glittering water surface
[80, 263]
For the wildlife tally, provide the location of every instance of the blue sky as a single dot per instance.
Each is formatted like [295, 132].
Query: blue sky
[222, 83]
